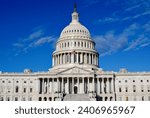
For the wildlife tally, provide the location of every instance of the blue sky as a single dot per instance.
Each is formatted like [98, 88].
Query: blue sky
[29, 30]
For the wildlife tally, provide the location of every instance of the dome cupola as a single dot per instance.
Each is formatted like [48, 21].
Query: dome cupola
[75, 46]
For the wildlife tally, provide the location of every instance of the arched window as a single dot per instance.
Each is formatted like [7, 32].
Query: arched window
[45, 99]
[50, 99]
[40, 99]
[142, 98]
[17, 89]
[16, 98]
[120, 89]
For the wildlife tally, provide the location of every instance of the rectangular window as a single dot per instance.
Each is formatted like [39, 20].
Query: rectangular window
[126, 98]
[126, 89]
[31, 90]
[24, 90]
[142, 98]
[119, 89]
[134, 88]
[16, 98]
[30, 99]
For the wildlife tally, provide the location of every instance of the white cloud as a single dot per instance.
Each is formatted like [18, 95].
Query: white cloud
[34, 35]
[138, 43]
[110, 43]
[34, 40]
[18, 45]
[43, 40]
[132, 38]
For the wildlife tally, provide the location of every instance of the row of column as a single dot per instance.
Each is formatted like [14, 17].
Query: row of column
[105, 85]
[75, 57]
[75, 85]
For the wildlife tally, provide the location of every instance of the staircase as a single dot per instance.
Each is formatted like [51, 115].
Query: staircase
[76, 97]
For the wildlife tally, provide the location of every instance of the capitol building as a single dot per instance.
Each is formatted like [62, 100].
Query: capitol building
[75, 75]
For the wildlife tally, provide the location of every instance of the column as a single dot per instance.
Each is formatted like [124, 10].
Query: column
[72, 58]
[77, 57]
[88, 84]
[42, 85]
[47, 86]
[78, 84]
[81, 58]
[62, 85]
[72, 86]
[102, 85]
[98, 86]
[85, 58]
[89, 58]
[67, 86]
[58, 90]
[93, 84]
[107, 85]
[37, 85]
[112, 87]
[92, 58]
[83, 85]
[52, 85]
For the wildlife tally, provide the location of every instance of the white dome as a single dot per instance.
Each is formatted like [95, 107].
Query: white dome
[75, 29]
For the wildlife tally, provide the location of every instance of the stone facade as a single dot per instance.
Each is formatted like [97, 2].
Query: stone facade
[75, 75]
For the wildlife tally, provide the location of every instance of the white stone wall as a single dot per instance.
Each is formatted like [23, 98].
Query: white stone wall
[133, 86]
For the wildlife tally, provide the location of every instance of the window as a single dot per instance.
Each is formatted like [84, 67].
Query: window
[119, 81]
[17, 81]
[17, 89]
[142, 89]
[120, 89]
[127, 98]
[147, 80]
[133, 80]
[126, 89]
[120, 98]
[16, 98]
[142, 98]
[125, 81]
[30, 99]
[24, 90]
[31, 90]
[31, 82]
[3, 81]
[134, 88]
[1, 99]
[8, 99]
[141, 80]
[9, 81]
[25, 82]
[148, 89]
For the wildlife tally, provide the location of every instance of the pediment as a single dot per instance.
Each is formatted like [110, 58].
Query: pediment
[75, 70]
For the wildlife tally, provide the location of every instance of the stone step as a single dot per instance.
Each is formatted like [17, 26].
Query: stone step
[76, 97]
